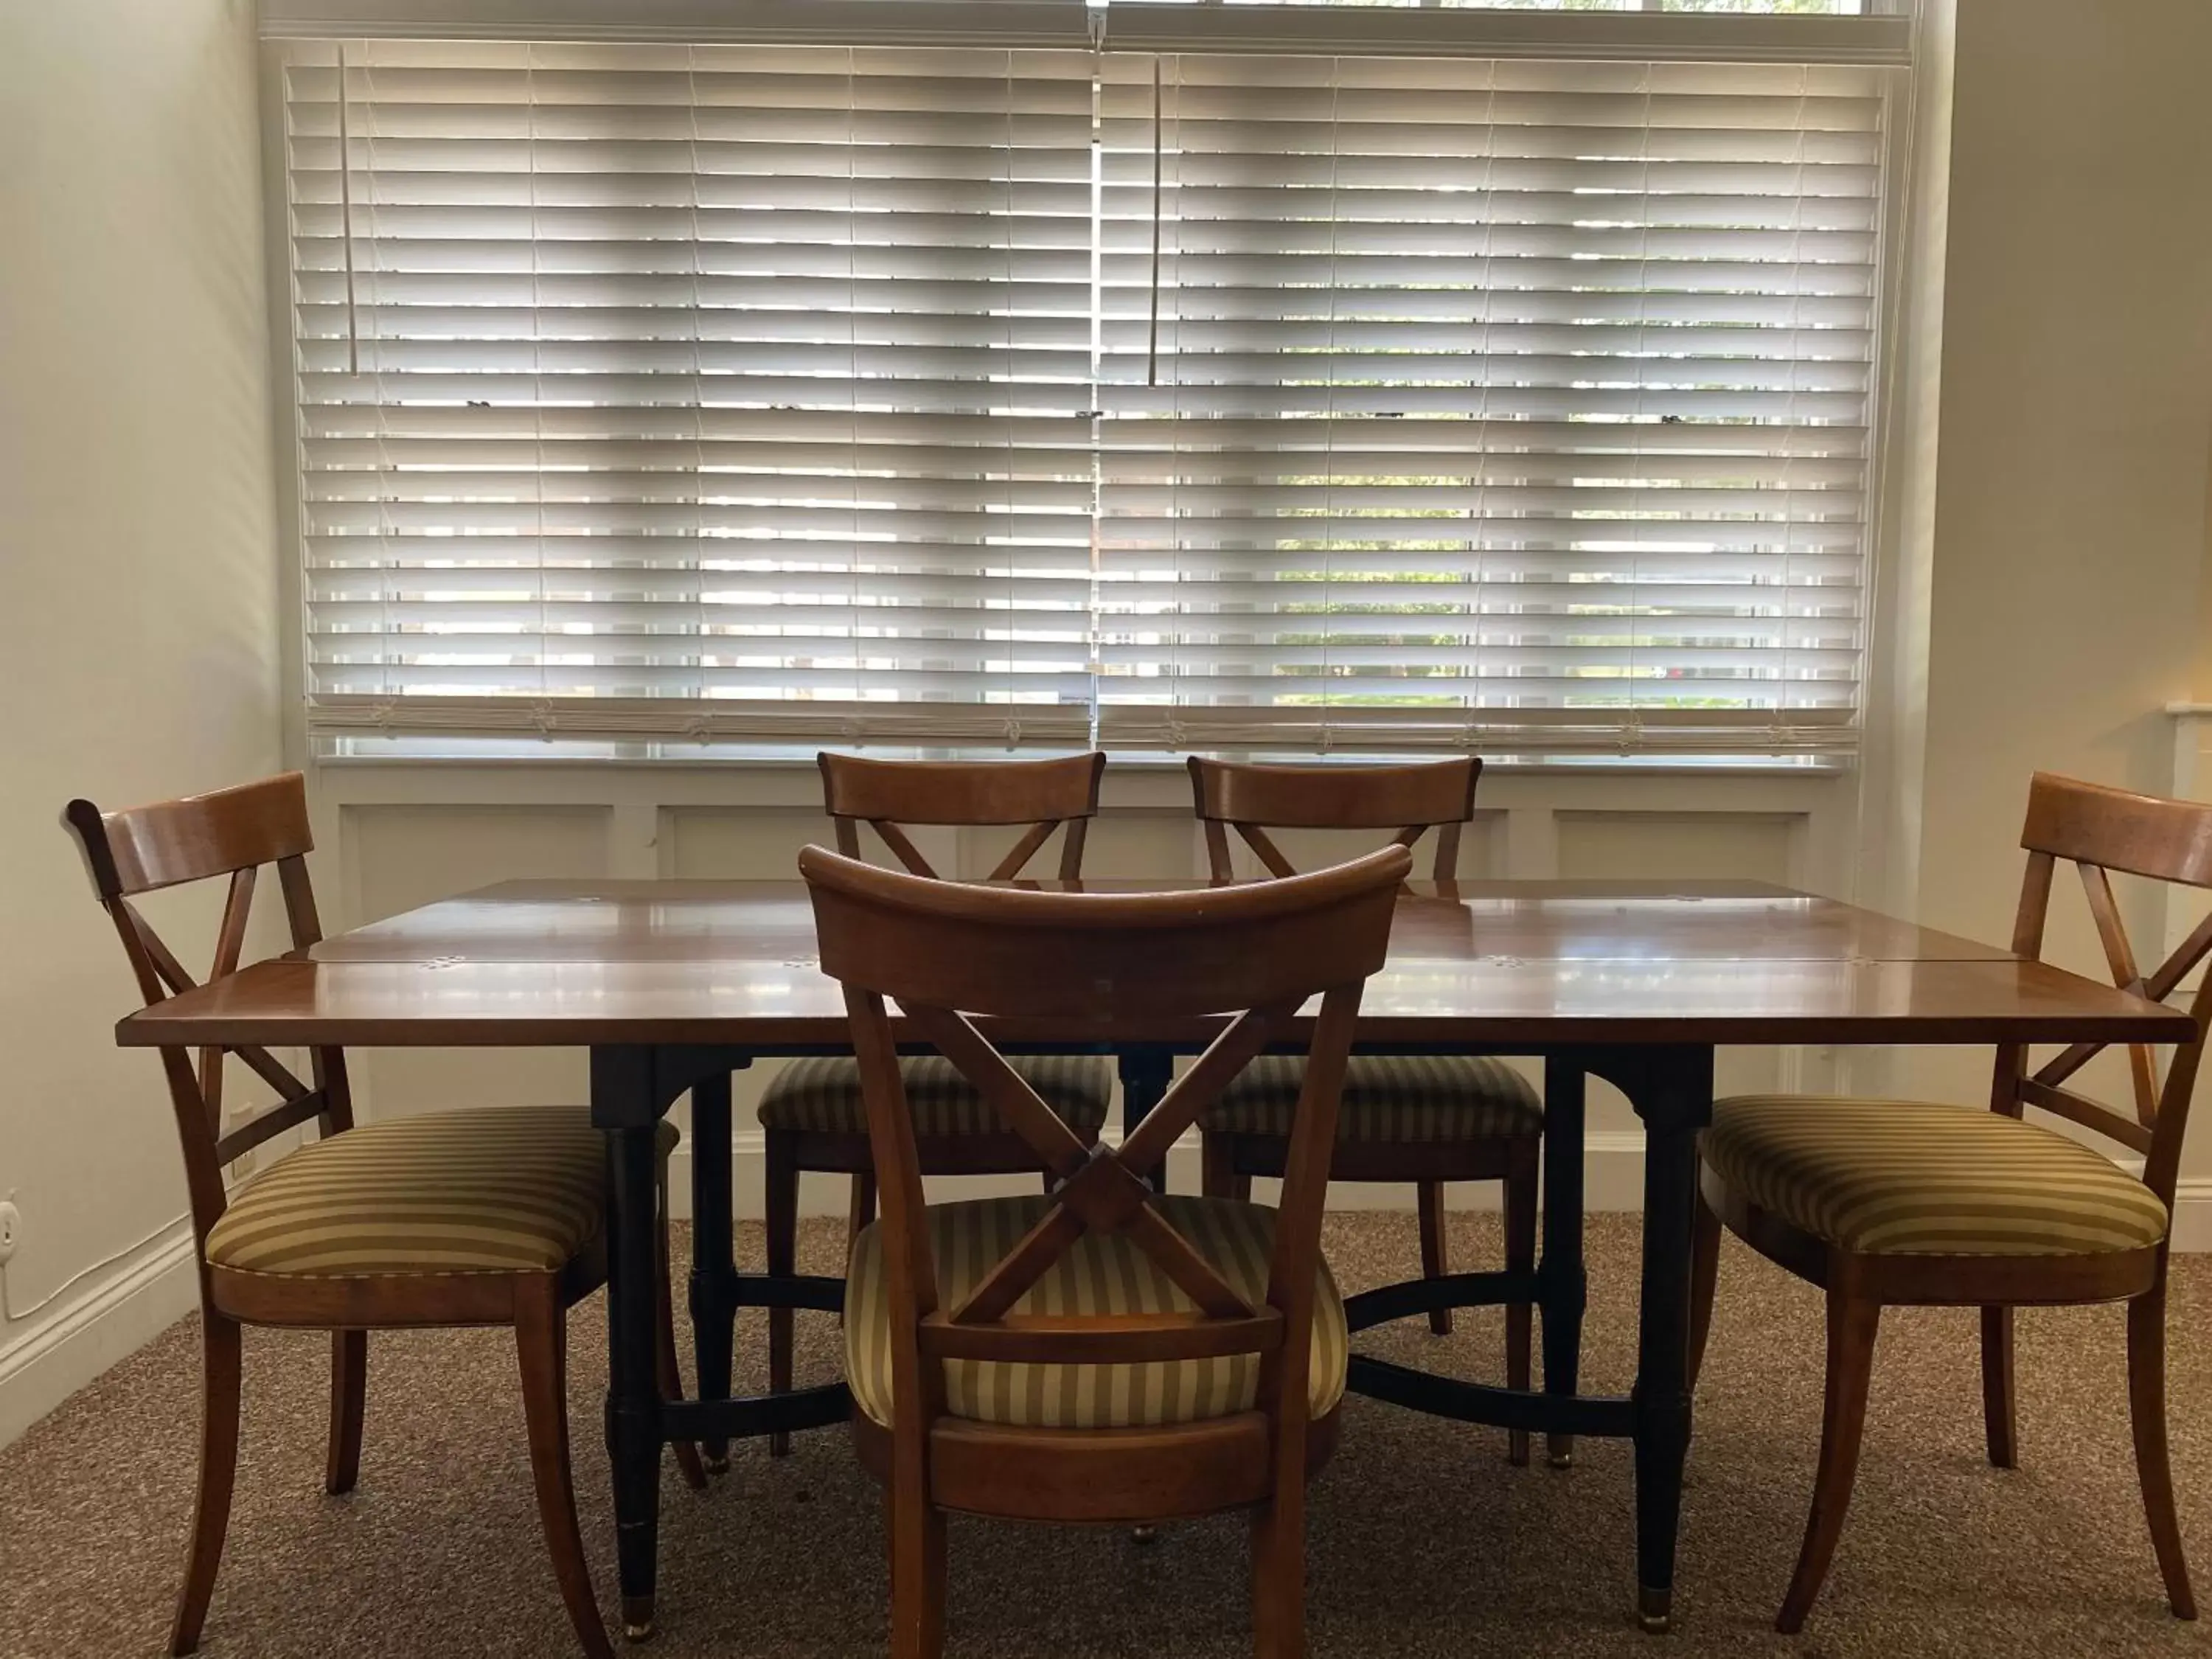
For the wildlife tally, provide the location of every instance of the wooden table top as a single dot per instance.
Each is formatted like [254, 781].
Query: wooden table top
[572, 964]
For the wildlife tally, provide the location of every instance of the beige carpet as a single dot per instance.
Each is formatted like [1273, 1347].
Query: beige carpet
[1425, 1542]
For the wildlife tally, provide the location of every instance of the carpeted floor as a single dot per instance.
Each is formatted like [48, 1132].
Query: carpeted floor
[1425, 1542]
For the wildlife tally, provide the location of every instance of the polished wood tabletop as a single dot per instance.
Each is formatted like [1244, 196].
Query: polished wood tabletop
[559, 963]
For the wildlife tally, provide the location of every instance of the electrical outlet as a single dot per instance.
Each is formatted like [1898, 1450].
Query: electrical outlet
[11, 1230]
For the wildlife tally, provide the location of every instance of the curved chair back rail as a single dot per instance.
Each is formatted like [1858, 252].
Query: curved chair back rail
[2099, 829]
[1409, 800]
[228, 832]
[1044, 795]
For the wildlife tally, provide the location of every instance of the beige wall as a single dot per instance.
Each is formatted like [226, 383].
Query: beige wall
[2066, 587]
[138, 615]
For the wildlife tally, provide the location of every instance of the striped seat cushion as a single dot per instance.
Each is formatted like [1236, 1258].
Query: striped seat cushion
[1102, 1274]
[1387, 1098]
[1888, 1177]
[822, 1096]
[492, 1189]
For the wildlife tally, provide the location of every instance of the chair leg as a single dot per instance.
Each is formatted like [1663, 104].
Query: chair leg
[1852, 1323]
[1520, 1316]
[1217, 1165]
[864, 1207]
[779, 1205]
[1704, 1283]
[541, 1345]
[349, 1396]
[2147, 1412]
[916, 1529]
[2000, 1422]
[220, 1364]
[1430, 1197]
[1279, 1576]
[667, 1372]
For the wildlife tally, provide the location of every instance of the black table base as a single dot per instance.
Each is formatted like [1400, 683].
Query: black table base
[1670, 1086]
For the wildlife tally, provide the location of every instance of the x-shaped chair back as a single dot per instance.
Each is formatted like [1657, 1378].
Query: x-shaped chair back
[1046, 795]
[1088, 965]
[2100, 831]
[1409, 800]
[232, 833]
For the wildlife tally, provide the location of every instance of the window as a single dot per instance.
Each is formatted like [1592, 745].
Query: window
[1039, 395]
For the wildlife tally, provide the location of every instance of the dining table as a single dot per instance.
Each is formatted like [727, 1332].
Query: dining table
[675, 985]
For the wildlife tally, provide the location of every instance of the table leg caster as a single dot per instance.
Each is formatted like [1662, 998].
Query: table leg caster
[1655, 1610]
[637, 1617]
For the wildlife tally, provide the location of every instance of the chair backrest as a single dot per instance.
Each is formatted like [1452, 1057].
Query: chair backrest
[1044, 795]
[232, 832]
[2100, 831]
[1254, 800]
[1094, 963]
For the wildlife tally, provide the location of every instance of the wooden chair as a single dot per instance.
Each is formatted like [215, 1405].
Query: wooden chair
[486, 1217]
[1105, 1353]
[812, 1115]
[1891, 1203]
[1426, 1119]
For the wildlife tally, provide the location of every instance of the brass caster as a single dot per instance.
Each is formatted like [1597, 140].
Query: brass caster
[717, 1465]
[1144, 1534]
[1655, 1610]
[637, 1619]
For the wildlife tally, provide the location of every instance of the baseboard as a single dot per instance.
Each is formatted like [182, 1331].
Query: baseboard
[2192, 1215]
[106, 1325]
[1612, 1180]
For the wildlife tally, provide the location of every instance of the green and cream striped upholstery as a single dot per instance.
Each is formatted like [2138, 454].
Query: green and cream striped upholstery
[1888, 1177]
[1102, 1274]
[822, 1095]
[1387, 1098]
[493, 1189]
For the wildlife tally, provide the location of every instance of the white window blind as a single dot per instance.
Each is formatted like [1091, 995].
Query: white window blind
[773, 392]
[1514, 403]
[706, 391]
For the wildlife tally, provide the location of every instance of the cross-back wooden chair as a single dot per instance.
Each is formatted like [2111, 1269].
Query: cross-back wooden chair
[812, 1115]
[1894, 1203]
[482, 1217]
[1104, 1353]
[1422, 1119]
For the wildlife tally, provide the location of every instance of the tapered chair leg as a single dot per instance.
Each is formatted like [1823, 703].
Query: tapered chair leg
[349, 1397]
[1852, 1323]
[1520, 1316]
[1430, 1197]
[1704, 1283]
[1279, 1576]
[2000, 1422]
[780, 1207]
[541, 1345]
[667, 1372]
[2147, 1412]
[916, 1529]
[863, 1209]
[1217, 1165]
[219, 1385]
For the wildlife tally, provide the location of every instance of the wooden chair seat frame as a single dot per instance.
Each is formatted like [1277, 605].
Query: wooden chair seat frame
[1043, 796]
[943, 953]
[2098, 830]
[1408, 801]
[233, 834]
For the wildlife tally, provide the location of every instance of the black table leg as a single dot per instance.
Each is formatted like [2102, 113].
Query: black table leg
[713, 1253]
[1674, 1095]
[1562, 1286]
[623, 1106]
[1145, 1074]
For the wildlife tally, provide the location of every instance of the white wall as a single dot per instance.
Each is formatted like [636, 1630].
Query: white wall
[2066, 582]
[139, 625]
